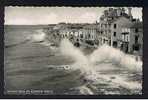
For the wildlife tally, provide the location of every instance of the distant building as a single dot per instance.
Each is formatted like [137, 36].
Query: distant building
[89, 31]
[78, 33]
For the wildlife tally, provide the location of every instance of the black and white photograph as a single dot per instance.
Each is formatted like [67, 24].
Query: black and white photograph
[73, 50]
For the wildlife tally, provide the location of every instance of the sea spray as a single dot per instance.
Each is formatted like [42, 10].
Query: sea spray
[106, 53]
[37, 36]
[89, 65]
[81, 61]
[67, 49]
[131, 63]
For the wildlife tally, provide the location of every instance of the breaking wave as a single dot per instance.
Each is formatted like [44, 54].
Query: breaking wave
[81, 61]
[116, 56]
[89, 65]
[38, 36]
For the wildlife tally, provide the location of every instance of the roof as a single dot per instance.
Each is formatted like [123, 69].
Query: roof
[90, 26]
[137, 25]
[127, 25]
[119, 18]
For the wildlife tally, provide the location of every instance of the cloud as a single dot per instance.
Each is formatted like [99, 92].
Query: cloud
[49, 18]
[17, 21]
[53, 15]
[29, 19]
[89, 17]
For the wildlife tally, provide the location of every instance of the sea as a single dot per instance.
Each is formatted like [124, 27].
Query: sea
[32, 65]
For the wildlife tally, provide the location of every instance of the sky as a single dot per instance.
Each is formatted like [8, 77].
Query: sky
[54, 15]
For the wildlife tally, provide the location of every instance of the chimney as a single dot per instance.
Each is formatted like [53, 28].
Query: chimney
[130, 12]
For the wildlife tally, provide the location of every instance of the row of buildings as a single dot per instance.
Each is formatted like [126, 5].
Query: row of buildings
[78, 34]
[120, 30]
[115, 28]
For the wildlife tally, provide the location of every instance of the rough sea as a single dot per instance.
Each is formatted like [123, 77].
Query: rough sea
[31, 63]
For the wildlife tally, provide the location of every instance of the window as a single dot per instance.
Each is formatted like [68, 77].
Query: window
[136, 30]
[127, 38]
[92, 36]
[105, 25]
[101, 32]
[114, 34]
[136, 39]
[115, 25]
[109, 31]
[115, 44]
[101, 25]
[103, 40]
[136, 47]
[109, 25]
[88, 35]
[105, 32]
[121, 14]
[81, 35]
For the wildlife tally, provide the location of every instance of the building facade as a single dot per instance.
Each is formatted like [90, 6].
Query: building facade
[137, 38]
[78, 33]
[110, 23]
[120, 30]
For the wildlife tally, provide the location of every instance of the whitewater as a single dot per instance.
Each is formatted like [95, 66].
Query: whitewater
[103, 58]
[91, 64]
